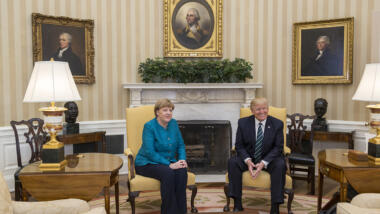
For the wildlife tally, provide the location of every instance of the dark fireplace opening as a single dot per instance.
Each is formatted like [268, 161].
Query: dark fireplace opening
[208, 145]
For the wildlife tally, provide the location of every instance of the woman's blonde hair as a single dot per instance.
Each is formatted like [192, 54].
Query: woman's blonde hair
[162, 103]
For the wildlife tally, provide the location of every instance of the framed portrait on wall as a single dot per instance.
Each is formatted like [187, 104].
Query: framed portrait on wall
[193, 28]
[65, 39]
[323, 51]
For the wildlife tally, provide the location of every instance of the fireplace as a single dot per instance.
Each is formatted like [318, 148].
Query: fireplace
[208, 145]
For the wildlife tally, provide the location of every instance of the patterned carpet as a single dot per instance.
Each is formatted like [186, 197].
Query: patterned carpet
[211, 199]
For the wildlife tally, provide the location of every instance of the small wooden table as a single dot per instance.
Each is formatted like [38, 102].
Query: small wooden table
[335, 164]
[84, 180]
[333, 136]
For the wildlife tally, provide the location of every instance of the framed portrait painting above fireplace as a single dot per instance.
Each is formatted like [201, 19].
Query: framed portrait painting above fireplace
[193, 28]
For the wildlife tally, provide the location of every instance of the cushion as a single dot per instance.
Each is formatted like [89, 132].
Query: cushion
[304, 159]
[367, 200]
[142, 183]
[262, 180]
[136, 119]
[65, 206]
[5, 197]
[347, 208]
[98, 210]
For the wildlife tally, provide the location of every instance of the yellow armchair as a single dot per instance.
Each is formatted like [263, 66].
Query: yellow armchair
[263, 179]
[136, 118]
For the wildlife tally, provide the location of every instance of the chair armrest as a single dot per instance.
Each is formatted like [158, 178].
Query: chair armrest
[131, 163]
[65, 206]
[287, 164]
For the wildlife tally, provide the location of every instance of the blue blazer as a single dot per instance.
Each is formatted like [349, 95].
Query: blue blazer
[160, 145]
[273, 142]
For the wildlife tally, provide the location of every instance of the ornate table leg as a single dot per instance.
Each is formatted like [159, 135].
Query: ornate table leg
[343, 192]
[117, 197]
[107, 199]
[320, 190]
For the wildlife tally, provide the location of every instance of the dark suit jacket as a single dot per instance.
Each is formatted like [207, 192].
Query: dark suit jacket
[326, 65]
[273, 142]
[73, 60]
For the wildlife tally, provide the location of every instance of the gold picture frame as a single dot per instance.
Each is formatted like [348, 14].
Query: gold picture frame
[323, 51]
[201, 39]
[65, 39]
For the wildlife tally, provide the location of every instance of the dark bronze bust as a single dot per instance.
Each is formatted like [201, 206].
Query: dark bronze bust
[71, 114]
[320, 109]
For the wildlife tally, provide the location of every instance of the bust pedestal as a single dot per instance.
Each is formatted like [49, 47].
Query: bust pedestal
[71, 128]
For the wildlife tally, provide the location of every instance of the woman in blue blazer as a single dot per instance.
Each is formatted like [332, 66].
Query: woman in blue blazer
[162, 143]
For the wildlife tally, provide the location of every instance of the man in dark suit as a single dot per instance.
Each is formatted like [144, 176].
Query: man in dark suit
[259, 146]
[323, 62]
[66, 54]
[192, 36]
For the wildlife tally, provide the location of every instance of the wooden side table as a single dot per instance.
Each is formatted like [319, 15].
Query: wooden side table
[335, 164]
[84, 180]
[347, 137]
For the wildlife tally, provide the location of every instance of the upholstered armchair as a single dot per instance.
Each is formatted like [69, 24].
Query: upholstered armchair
[136, 118]
[263, 179]
[65, 206]
[368, 203]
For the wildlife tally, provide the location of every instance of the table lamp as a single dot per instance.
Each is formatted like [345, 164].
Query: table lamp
[52, 81]
[369, 90]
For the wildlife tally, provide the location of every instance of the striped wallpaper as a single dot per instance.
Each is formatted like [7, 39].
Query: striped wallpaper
[128, 31]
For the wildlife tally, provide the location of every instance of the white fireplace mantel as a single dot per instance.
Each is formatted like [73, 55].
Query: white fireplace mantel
[149, 93]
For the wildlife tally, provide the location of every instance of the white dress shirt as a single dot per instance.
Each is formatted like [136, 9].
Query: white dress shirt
[257, 122]
[61, 52]
[319, 55]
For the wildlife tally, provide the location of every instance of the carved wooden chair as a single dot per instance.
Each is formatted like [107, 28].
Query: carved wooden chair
[136, 118]
[301, 158]
[35, 137]
[263, 179]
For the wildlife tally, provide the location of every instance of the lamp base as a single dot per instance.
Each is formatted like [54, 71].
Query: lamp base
[53, 166]
[53, 159]
[374, 160]
[374, 150]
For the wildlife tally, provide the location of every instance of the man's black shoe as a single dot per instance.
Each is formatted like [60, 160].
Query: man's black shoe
[275, 208]
[238, 209]
[237, 205]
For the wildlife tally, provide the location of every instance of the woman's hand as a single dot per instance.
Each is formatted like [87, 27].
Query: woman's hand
[183, 163]
[178, 165]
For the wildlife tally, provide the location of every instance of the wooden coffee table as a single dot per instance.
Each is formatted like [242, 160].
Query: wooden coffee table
[84, 179]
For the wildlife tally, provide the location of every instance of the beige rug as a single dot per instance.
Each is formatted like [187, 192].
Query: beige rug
[213, 200]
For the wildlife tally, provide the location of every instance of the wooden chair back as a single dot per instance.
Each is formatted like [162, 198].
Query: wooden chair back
[35, 137]
[296, 131]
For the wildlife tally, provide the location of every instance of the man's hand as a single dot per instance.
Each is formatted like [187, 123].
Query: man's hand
[251, 166]
[258, 167]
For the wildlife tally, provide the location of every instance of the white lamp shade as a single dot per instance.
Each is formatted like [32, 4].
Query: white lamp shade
[369, 86]
[51, 81]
